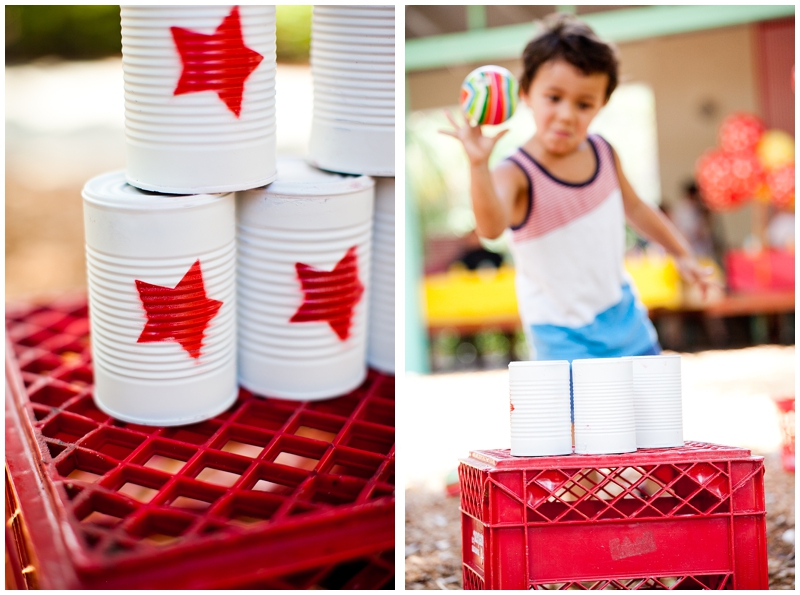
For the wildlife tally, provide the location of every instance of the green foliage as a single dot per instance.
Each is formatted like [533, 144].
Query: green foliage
[445, 342]
[492, 342]
[438, 169]
[293, 33]
[89, 32]
[72, 32]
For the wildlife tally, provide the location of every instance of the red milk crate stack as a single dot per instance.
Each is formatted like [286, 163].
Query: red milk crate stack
[677, 518]
[271, 494]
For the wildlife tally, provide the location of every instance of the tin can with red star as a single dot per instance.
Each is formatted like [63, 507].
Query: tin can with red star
[199, 97]
[162, 302]
[380, 331]
[352, 66]
[304, 247]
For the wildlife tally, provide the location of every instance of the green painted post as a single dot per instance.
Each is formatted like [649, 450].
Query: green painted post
[628, 24]
[416, 338]
[476, 16]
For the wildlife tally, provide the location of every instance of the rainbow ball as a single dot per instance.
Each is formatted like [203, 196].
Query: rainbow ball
[489, 95]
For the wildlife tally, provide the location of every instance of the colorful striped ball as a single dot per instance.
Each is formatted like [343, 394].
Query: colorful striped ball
[489, 95]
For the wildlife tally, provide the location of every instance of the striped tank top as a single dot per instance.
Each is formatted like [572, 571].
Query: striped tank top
[575, 297]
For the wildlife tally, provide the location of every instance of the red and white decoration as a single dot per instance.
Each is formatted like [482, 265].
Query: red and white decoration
[728, 180]
[162, 303]
[199, 97]
[750, 162]
[303, 283]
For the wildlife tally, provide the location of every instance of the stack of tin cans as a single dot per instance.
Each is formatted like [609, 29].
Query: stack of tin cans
[352, 131]
[171, 299]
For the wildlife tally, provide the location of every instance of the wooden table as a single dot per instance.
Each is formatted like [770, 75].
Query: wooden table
[765, 303]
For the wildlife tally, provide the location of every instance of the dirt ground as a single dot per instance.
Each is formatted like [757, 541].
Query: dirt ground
[433, 533]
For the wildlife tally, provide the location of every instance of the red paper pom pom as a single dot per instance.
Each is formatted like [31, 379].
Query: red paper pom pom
[781, 185]
[747, 174]
[727, 180]
[740, 133]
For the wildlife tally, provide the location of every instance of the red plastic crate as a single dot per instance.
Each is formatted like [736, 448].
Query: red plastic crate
[269, 494]
[786, 411]
[678, 518]
[764, 270]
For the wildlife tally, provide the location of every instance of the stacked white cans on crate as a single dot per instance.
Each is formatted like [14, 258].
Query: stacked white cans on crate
[619, 405]
[202, 175]
[352, 132]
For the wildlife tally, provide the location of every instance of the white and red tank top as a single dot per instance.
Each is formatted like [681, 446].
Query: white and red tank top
[569, 259]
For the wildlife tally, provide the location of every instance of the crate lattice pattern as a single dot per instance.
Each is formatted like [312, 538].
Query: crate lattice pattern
[624, 492]
[696, 481]
[130, 488]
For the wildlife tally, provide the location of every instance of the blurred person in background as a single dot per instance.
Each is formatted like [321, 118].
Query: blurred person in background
[693, 219]
[780, 230]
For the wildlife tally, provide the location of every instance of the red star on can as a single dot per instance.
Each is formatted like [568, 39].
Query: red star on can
[219, 62]
[181, 313]
[330, 296]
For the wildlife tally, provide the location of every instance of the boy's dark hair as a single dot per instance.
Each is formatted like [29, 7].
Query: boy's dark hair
[566, 37]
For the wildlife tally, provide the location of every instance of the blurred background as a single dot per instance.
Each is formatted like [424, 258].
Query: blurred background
[689, 76]
[65, 123]
[685, 72]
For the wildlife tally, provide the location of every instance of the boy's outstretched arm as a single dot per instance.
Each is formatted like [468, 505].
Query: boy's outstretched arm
[655, 226]
[495, 195]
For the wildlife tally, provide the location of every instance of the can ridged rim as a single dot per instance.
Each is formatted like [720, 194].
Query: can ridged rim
[513, 382]
[335, 100]
[344, 23]
[361, 50]
[352, 34]
[112, 190]
[356, 14]
[605, 361]
[593, 388]
[345, 78]
[532, 406]
[353, 92]
[297, 179]
[353, 61]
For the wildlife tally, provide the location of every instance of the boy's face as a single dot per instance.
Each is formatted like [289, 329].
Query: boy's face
[564, 101]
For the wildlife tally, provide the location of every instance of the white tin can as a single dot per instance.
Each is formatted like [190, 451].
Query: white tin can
[199, 97]
[658, 400]
[352, 65]
[540, 421]
[380, 330]
[605, 421]
[162, 302]
[304, 246]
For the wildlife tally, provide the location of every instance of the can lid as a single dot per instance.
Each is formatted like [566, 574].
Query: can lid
[537, 363]
[112, 190]
[298, 178]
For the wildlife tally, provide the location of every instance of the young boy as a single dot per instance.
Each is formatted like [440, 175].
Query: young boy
[566, 200]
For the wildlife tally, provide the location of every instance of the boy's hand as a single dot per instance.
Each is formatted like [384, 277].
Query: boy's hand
[477, 146]
[693, 272]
